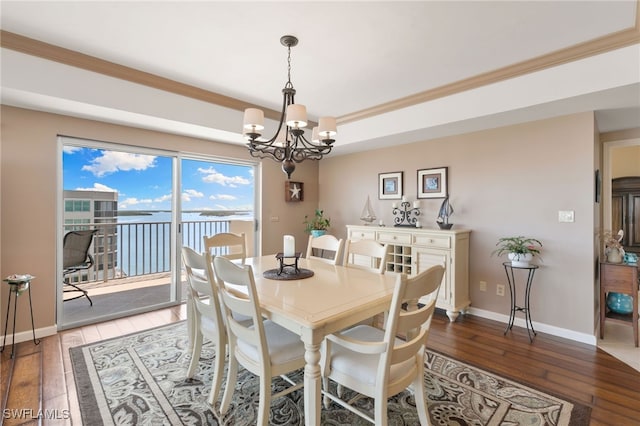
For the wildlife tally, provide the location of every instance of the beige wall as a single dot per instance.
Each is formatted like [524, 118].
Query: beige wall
[502, 182]
[625, 161]
[28, 196]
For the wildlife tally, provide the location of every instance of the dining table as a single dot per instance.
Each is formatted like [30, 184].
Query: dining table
[331, 299]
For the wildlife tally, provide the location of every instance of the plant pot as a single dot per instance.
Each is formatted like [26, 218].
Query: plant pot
[620, 303]
[318, 232]
[520, 259]
[445, 225]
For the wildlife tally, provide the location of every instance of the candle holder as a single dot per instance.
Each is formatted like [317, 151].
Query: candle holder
[404, 216]
[281, 257]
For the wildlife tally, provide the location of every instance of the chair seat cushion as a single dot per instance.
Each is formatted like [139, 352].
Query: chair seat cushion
[363, 367]
[283, 345]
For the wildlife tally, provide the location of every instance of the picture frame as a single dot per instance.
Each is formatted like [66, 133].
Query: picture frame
[390, 186]
[432, 183]
[293, 191]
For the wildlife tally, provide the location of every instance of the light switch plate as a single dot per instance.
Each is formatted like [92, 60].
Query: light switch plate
[565, 216]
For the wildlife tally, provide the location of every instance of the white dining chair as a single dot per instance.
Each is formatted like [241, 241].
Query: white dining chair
[378, 364]
[227, 244]
[204, 316]
[366, 254]
[371, 256]
[263, 347]
[326, 248]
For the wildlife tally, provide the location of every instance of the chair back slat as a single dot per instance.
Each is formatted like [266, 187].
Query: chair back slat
[227, 244]
[366, 254]
[326, 248]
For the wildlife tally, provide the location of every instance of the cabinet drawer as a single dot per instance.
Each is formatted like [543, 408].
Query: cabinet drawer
[394, 238]
[362, 235]
[432, 241]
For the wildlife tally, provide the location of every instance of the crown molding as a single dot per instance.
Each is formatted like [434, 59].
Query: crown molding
[70, 57]
[583, 50]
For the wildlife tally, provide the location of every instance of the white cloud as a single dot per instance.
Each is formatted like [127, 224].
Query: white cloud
[163, 198]
[112, 161]
[213, 176]
[226, 197]
[189, 194]
[98, 187]
[70, 149]
[132, 201]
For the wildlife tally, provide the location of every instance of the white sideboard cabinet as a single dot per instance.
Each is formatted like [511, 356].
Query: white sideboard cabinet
[413, 250]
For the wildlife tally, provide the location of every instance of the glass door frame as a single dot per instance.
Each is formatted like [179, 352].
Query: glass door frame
[176, 218]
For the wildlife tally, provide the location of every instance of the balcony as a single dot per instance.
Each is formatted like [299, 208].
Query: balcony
[132, 266]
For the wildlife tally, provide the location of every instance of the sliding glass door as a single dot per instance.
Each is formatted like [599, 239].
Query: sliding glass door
[127, 196]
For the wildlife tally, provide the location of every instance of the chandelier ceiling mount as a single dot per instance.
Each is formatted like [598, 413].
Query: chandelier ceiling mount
[289, 145]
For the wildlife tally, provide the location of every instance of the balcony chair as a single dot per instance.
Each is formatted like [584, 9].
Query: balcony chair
[263, 347]
[205, 316]
[75, 258]
[377, 364]
[326, 248]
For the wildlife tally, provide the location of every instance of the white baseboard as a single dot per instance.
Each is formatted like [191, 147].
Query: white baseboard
[545, 328]
[27, 335]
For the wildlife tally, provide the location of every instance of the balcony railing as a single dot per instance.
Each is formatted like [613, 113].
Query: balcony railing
[141, 248]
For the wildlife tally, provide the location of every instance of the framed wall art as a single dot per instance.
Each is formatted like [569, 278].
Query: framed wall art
[390, 186]
[432, 183]
[293, 191]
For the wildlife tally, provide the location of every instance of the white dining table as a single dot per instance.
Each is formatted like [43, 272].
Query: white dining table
[334, 298]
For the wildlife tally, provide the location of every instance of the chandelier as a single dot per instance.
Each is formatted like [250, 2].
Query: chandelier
[289, 145]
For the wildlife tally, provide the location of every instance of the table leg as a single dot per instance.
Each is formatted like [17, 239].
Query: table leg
[6, 322]
[33, 326]
[528, 311]
[15, 309]
[312, 384]
[512, 294]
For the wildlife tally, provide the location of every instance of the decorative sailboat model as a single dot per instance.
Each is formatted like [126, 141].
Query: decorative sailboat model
[368, 214]
[446, 210]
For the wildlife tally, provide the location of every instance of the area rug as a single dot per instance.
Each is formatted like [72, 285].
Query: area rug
[139, 379]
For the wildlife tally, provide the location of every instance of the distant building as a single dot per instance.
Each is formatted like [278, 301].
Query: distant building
[90, 210]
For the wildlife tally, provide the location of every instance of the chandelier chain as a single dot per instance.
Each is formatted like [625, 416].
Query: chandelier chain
[289, 64]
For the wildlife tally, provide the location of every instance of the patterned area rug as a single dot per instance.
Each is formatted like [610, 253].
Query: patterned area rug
[139, 379]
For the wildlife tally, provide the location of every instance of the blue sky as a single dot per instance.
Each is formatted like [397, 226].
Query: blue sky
[143, 182]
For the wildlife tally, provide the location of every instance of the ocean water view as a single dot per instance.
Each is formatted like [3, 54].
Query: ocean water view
[144, 239]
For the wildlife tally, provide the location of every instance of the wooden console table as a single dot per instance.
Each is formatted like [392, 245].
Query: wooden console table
[619, 278]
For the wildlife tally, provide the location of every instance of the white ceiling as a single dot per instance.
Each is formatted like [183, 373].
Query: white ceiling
[351, 56]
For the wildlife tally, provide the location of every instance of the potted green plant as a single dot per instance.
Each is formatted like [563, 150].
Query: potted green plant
[318, 224]
[520, 250]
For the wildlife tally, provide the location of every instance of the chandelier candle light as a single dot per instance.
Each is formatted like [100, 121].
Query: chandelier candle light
[289, 144]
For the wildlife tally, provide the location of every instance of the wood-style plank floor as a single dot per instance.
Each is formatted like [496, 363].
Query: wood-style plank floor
[40, 377]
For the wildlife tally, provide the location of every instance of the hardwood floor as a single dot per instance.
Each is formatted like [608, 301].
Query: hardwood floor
[40, 377]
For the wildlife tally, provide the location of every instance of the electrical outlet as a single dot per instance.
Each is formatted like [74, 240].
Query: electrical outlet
[500, 289]
[566, 216]
[483, 286]
[275, 219]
